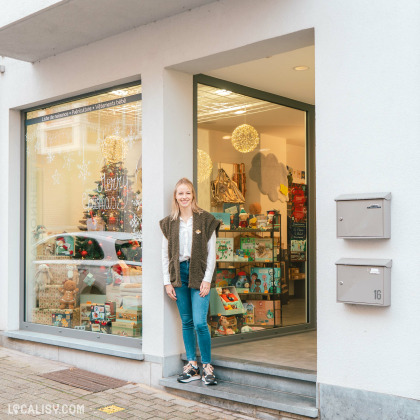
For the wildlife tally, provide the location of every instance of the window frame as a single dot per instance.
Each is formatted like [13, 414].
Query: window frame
[309, 110]
[90, 336]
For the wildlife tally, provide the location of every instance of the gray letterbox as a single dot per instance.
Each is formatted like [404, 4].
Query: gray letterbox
[364, 216]
[364, 281]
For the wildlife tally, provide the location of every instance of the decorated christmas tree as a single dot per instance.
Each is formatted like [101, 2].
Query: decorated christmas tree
[113, 205]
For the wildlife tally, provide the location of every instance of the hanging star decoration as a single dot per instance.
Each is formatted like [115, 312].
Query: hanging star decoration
[56, 177]
[84, 170]
[50, 156]
[68, 160]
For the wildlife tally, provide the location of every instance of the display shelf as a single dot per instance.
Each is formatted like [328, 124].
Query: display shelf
[247, 230]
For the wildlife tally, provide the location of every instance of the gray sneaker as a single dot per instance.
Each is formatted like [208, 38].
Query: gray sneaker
[190, 373]
[208, 375]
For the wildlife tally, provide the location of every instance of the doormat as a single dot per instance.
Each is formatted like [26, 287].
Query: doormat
[83, 379]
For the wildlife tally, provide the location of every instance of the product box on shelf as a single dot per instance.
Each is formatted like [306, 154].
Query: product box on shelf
[244, 255]
[128, 314]
[224, 218]
[50, 296]
[263, 278]
[126, 329]
[225, 301]
[224, 249]
[224, 276]
[250, 312]
[263, 249]
[266, 312]
[44, 316]
[62, 320]
[131, 302]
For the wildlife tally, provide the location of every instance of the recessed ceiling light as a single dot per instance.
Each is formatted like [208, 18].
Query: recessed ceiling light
[241, 111]
[226, 137]
[223, 92]
[120, 92]
[301, 68]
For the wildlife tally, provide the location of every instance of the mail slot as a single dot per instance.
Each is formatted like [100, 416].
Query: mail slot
[364, 216]
[364, 281]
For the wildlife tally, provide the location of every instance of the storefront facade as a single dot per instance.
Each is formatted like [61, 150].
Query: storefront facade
[62, 119]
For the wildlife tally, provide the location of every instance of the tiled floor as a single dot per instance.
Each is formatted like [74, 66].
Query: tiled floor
[297, 351]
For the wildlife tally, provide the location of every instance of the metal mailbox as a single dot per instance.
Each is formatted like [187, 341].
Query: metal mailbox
[364, 216]
[364, 281]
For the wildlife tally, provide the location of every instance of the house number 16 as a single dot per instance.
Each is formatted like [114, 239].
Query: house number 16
[378, 294]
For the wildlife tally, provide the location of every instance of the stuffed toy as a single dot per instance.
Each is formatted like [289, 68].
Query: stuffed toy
[42, 278]
[223, 327]
[69, 291]
[243, 218]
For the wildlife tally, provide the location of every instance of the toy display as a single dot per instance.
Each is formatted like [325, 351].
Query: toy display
[42, 278]
[223, 327]
[62, 320]
[225, 301]
[69, 290]
[101, 317]
[64, 245]
[243, 218]
[241, 282]
[224, 277]
[224, 249]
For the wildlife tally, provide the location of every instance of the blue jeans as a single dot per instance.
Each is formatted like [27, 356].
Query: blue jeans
[193, 311]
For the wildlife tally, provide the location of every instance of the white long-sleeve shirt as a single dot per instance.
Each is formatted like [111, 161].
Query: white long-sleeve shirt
[185, 243]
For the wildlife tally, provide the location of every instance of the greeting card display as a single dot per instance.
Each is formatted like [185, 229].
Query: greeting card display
[224, 249]
[263, 249]
[265, 278]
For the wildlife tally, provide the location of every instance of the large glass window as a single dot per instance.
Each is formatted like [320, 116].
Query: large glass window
[251, 174]
[83, 267]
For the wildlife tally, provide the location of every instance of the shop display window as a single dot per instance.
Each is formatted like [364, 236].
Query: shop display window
[251, 175]
[83, 215]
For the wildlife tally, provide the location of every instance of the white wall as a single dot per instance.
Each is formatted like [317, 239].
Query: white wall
[367, 134]
[367, 102]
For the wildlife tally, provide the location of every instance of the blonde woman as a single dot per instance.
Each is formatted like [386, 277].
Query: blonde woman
[188, 262]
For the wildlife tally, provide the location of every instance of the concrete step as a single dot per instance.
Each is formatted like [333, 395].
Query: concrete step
[265, 375]
[246, 397]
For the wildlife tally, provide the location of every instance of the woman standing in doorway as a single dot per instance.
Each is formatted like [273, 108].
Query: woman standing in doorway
[188, 262]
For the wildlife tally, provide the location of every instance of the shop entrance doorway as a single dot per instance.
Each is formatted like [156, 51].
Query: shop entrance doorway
[254, 167]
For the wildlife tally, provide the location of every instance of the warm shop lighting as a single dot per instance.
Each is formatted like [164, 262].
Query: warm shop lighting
[114, 149]
[241, 111]
[204, 165]
[245, 138]
[301, 68]
[120, 92]
[223, 92]
[226, 137]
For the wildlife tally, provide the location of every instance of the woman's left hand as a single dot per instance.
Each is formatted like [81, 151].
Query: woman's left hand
[204, 288]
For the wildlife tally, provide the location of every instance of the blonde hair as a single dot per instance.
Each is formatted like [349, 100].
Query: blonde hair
[175, 206]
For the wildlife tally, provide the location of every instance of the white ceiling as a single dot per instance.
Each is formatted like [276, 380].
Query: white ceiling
[275, 74]
[69, 24]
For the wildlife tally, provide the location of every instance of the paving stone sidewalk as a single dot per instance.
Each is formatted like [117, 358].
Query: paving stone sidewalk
[26, 395]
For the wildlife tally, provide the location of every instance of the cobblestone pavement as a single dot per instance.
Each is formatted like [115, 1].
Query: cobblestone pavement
[24, 395]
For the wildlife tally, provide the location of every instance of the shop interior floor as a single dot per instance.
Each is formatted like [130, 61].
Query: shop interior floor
[296, 350]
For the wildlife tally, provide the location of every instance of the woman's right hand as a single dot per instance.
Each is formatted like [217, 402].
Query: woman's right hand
[170, 291]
